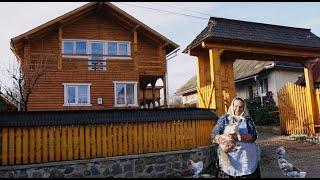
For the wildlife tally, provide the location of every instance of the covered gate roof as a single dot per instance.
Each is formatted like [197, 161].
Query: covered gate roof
[221, 29]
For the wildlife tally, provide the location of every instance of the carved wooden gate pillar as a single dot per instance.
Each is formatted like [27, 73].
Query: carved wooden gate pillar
[311, 98]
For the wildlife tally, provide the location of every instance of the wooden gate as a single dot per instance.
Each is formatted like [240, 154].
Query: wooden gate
[295, 111]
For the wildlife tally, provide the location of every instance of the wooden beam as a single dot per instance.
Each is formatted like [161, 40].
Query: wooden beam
[215, 72]
[311, 99]
[135, 41]
[261, 50]
[26, 53]
[165, 102]
[60, 49]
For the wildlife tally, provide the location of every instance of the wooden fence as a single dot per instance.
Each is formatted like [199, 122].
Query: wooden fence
[40, 144]
[206, 96]
[294, 114]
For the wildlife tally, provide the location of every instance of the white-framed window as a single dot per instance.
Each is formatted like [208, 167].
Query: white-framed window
[85, 47]
[77, 94]
[68, 47]
[125, 93]
[81, 47]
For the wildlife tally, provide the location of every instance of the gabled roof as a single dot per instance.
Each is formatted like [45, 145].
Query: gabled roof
[230, 29]
[11, 106]
[243, 69]
[189, 86]
[92, 6]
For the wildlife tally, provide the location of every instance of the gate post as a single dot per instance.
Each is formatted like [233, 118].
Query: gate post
[311, 101]
[215, 73]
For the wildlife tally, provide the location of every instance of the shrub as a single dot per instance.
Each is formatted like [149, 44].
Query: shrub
[262, 114]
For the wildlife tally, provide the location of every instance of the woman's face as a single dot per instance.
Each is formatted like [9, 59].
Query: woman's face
[238, 107]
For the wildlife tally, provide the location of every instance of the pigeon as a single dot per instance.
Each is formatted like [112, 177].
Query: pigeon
[196, 167]
[287, 168]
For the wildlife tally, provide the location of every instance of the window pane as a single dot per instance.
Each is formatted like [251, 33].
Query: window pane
[81, 47]
[82, 94]
[71, 94]
[97, 48]
[68, 47]
[130, 93]
[123, 49]
[112, 48]
[120, 93]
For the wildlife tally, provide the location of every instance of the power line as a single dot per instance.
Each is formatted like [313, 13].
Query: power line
[202, 18]
[184, 9]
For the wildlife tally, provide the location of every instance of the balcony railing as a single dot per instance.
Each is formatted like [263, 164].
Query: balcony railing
[97, 63]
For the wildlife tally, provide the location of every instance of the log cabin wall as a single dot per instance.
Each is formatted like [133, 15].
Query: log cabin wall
[49, 92]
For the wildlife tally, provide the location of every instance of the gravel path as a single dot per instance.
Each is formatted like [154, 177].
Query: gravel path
[304, 155]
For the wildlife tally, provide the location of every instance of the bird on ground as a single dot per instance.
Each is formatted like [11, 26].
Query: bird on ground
[196, 167]
[287, 168]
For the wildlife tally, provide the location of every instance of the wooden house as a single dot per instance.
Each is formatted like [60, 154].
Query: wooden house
[96, 57]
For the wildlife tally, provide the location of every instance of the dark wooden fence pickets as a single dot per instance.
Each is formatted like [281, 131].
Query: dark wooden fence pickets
[39, 137]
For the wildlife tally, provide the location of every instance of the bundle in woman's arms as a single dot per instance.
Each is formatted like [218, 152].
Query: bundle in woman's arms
[227, 142]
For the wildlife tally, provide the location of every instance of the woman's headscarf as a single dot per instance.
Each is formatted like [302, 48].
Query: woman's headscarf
[245, 110]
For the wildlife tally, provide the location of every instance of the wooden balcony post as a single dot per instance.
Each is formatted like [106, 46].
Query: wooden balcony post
[153, 84]
[311, 101]
[215, 73]
[144, 96]
[165, 103]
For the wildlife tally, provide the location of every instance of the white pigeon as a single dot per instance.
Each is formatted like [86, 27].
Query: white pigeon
[287, 168]
[196, 167]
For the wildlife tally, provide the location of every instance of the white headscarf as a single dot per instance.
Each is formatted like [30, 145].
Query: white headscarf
[245, 110]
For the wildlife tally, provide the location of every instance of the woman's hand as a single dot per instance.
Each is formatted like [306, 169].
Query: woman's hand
[246, 138]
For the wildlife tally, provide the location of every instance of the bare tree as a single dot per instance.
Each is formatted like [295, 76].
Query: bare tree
[24, 79]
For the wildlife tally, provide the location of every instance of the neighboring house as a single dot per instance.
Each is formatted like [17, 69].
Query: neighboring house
[6, 104]
[98, 57]
[251, 78]
[315, 74]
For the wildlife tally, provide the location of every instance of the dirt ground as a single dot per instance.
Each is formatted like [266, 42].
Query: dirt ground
[304, 155]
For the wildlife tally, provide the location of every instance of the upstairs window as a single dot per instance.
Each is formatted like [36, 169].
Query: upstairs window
[112, 48]
[68, 47]
[123, 50]
[81, 47]
[97, 48]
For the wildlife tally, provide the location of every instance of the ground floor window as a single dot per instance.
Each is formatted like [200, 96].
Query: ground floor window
[76, 94]
[125, 93]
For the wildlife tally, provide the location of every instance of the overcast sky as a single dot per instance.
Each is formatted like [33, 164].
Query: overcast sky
[17, 18]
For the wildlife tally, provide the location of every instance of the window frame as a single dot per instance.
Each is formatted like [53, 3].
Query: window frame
[76, 85]
[125, 93]
[89, 49]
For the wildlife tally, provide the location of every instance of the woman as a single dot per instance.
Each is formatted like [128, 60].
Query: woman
[243, 162]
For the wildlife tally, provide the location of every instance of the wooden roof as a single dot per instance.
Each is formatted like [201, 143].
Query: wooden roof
[243, 31]
[17, 42]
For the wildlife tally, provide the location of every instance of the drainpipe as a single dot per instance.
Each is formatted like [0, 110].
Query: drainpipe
[175, 52]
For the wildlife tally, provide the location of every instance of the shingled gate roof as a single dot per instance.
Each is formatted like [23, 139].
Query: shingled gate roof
[229, 29]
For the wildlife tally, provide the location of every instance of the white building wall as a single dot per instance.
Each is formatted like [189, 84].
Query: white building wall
[279, 78]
